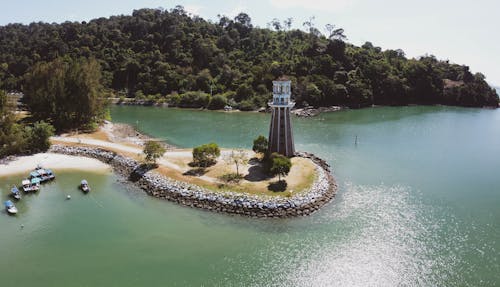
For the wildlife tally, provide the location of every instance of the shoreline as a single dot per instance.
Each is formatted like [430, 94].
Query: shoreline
[117, 148]
[320, 193]
[56, 162]
[305, 112]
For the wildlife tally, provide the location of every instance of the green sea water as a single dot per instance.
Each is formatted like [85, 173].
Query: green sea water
[418, 205]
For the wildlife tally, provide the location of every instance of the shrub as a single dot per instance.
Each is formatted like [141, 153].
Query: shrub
[280, 165]
[39, 136]
[260, 145]
[206, 155]
[194, 100]
[246, 106]
[153, 150]
[217, 102]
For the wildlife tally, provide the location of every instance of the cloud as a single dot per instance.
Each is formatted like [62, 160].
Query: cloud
[193, 9]
[322, 5]
[236, 10]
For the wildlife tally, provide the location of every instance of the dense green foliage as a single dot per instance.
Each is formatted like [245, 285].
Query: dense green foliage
[167, 55]
[260, 145]
[206, 155]
[18, 138]
[38, 136]
[153, 150]
[66, 92]
[280, 165]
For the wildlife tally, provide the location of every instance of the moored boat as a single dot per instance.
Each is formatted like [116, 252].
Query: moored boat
[10, 207]
[31, 185]
[26, 183]
[34, 174]
[15, 192]
[50, 174]
[84, 185]
[41, 173]
[35, 184]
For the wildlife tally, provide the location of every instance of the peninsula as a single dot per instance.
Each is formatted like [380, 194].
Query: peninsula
[232, 181]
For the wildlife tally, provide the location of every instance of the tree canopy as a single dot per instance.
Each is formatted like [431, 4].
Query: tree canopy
[260, 145]
[67, 92]
[280, 165]
[168, 54]
[21, 138]
[206, 154]
[153, 150]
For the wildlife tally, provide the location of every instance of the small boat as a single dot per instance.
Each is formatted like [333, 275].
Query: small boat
[42, 175]
[26, 183]
[35, 184]
[50, 174]
[34, 174]
[228, 108]
[31, 185]
[15, 192]
[84, 185]
[11, 208]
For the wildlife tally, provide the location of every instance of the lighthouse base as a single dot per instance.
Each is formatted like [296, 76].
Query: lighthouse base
[280, 132]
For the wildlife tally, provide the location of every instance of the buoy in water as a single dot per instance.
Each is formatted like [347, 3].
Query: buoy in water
[68, 196]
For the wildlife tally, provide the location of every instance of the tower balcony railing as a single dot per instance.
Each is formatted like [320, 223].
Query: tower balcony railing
[284, 103]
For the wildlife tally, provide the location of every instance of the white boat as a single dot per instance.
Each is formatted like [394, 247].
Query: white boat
[26, 183]
[15, 193]
[11, 208]
[84, 185]
[31, 185]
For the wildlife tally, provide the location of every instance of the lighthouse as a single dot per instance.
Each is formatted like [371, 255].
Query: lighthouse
[280, 129]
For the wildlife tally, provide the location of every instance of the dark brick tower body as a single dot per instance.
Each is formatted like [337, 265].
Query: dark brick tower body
[280, 129]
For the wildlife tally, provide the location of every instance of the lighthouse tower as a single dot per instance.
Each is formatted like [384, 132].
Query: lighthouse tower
[280, 130]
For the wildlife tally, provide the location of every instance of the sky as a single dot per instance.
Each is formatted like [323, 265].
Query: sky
[461, 31]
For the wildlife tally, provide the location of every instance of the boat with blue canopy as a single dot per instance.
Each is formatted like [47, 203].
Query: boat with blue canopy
[41, 173]
[31, 185]
[34, 174]
[50, 174]
[35, 183]
[10, 207]
[15, 192]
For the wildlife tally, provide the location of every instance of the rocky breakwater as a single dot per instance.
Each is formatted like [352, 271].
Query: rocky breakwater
[304, 203]
[312, 112]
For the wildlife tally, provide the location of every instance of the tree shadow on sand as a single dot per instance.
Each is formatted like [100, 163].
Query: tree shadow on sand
[257, 173]
[277, 186]
[199, 171]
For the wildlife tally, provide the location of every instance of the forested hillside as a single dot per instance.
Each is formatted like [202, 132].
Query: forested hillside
[170, 56]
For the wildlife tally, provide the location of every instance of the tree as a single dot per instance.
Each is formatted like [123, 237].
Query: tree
[162, 51]
[153, 150]
[237, 158]
[66, 92]
[280, 165]
[335, 34]
[260, 145]
[39, 136]
[206, 154]
[217, 102]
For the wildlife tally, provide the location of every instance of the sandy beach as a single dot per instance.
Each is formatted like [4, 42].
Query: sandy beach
[25, 164]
